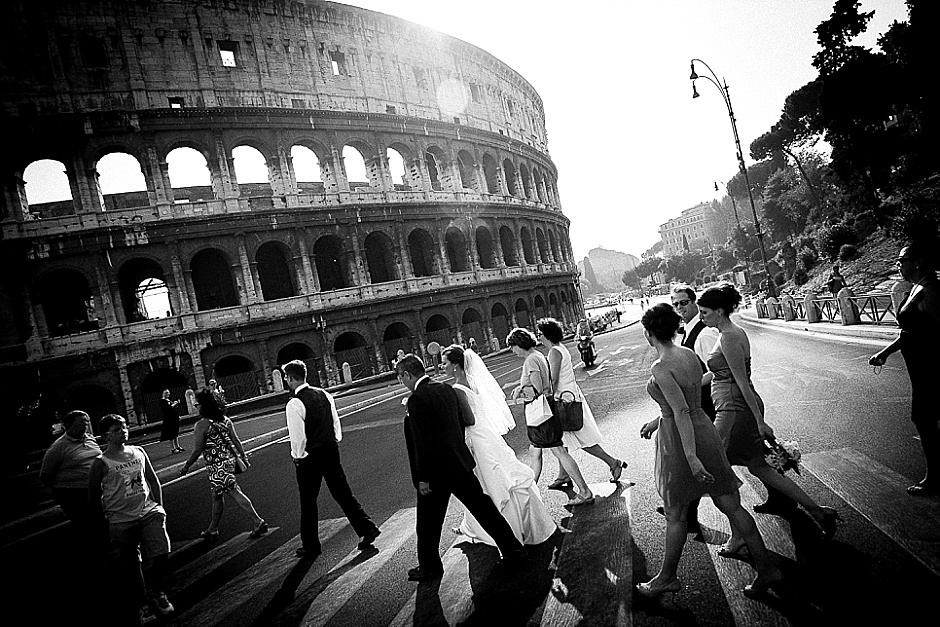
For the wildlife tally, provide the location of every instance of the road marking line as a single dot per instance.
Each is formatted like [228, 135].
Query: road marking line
[358, 566]
[211, 560]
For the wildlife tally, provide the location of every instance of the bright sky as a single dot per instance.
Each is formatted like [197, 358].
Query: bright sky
[633, 149]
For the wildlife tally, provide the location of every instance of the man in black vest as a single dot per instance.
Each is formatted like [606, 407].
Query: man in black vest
[315, 432]
[441, 465]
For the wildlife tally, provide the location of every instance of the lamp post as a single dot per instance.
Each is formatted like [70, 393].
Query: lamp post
[726, 96]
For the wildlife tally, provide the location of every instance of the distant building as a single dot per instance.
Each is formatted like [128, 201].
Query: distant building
[696, 229]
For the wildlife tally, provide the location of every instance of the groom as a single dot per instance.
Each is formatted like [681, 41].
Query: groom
[441, 465]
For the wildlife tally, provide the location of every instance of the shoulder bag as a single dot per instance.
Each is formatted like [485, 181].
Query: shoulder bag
[570, 411]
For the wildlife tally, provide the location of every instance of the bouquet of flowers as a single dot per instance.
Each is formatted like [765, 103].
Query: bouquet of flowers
[782, 456]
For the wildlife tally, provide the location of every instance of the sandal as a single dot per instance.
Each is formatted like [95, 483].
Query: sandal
[740, 553]
[580, 500]
[558, 484]
[616, 471]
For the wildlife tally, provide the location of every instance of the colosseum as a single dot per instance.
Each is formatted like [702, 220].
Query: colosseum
[407, 197]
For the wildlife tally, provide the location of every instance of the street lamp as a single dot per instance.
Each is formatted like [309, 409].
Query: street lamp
[726, 96]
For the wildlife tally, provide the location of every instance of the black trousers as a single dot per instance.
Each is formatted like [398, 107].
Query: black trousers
[433, 507]
[924, 413]
[319, 464]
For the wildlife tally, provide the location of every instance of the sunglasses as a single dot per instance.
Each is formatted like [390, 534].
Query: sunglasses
[681, 303]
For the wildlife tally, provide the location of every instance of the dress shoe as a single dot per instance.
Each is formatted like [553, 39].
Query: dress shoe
[209, 535]
[420, 573]
[308, 554]
[259, 531]
[368, 539]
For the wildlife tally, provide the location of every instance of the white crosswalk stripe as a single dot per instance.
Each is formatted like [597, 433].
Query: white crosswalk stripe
[591, 575]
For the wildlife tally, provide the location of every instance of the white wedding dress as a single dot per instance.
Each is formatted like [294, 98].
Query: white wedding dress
[506, 480]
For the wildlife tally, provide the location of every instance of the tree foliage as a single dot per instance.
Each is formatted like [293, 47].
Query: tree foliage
[684, 267]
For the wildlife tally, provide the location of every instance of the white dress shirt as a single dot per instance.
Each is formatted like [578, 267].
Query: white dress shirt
[296, 413]
[706, 340]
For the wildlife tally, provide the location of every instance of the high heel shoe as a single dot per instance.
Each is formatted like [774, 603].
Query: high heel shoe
[259, 531]
[647, 589]
[760, 587]
[830, 522]
[616, 471]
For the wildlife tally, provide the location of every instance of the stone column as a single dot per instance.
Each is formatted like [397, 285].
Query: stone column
[183, 288]
[405, 267]
[104, 293]
[252, 294]
[127, 392]
[339, 170]
[418, 178]
[442, 249]
[13, 204]
[309, 268]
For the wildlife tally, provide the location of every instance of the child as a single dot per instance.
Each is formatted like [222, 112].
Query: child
[123, 487]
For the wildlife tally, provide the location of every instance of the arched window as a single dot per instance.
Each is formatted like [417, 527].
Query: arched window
[421, 247]
[275, 271]
[438, 329]
[355, 165]
[236, 376]
[351, 348]
[522, 314]
[528, 252]
[468, 171]
[380, 257]
[48, 192]
[544, 252]
[330, 260]
[151, 391]
[398, 337]
[456, 245]
[486, 252]
[121, 182]
[511, 182]
[500, 320]
[307, 170]
[67, 302]
[526, 181]
[189, 175]
[212, 280]
[491, 172]
[143, 290]
[472, 323]
[301, 352]
[396, 168]
[250, 165]
[508, 243]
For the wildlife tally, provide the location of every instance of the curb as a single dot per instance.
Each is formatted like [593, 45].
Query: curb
[865, 334]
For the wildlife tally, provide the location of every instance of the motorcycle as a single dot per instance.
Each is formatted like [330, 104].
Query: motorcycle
[586, 348]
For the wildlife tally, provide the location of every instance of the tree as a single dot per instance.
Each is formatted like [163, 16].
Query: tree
[589, 275]
[726, 260]
[648, 266]
[631, 279]
[685, 266]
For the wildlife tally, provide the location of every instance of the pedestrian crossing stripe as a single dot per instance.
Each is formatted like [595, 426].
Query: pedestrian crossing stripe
[579, 591]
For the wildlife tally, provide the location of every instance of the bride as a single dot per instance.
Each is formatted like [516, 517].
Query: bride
[509, 482]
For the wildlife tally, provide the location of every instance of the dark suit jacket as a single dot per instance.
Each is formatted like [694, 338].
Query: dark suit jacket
[437, 450]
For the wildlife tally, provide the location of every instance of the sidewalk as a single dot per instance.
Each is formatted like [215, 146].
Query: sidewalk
[870, 334]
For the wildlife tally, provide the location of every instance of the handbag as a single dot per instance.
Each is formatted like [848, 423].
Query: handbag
[570, 411]
[537, 411]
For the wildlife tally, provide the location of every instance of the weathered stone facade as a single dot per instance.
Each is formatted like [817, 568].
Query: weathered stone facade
[472, 241]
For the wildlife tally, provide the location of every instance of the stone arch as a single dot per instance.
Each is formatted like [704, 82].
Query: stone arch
[142, 286]
[275, 271]
[248, 160]
[151, 391]
[528, 252]
[95, 400]
[397, 168]
[435, 160]
[501, 322]
[331, 260]
[523, 317]
[352, 348]
[121, 180]
[190, 176]
[299, 350]
[491, 174]
[486, 251]
[236, 375]
[512, 182]
[438, 329]
[540, 185]
[355, 154]
[468, 171]
[212, 280]
[526, 181]
[380, 257]
[553, 305]
[544, 252]
[457, 252]
[422, 249]
[67, 302]
[553, 245]
[398, 336]
[308, 169]
[507, 241]
[472, 327]
[539, 305]
[47, 188]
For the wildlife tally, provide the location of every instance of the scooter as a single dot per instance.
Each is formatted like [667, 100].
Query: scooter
[586, 348]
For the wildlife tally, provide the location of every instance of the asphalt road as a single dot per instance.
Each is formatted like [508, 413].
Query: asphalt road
[883, 564]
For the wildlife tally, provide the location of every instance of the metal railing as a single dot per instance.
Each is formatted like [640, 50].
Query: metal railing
[877, 309]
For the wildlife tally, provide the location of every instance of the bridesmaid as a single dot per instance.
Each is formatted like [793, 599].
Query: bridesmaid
[740, 411]
[690, 459]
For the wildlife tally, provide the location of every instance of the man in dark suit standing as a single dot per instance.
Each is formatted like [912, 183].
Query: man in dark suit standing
[314, 430]
[441, 465]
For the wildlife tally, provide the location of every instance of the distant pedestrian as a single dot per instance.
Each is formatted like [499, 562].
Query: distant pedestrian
[217, 441]
[836, 281]
[315, 433]
[65, 469]
[472, 345]
[123, 487]
[170, 429]
[919, 343]
[218, 393]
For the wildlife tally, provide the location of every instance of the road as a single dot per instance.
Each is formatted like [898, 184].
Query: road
[859, 452]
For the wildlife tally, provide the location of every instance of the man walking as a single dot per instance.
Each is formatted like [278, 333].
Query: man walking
[315, 432]
[123, 487]
[441, 465]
